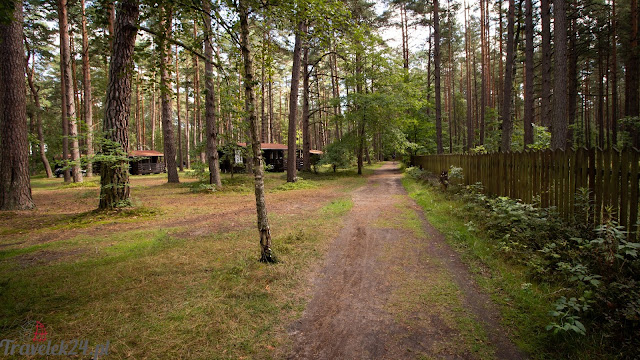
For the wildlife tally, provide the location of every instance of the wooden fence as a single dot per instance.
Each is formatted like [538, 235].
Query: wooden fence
[555, 176]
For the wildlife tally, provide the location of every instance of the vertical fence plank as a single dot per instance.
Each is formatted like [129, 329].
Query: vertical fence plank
[611, 176]
[633, 184]
[597, 186]
[615, 183]
[545, 187]
[568, 156]
[556, 176]
[624, 188]
[606, 169]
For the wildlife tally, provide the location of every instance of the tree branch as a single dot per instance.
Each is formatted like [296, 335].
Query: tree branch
[183, 45]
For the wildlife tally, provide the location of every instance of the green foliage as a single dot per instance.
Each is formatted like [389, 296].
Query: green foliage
[339, 154]
[200, 187]
[541, 138]
[595, 269]
[456, 175]
[629, 126]
[200, 172]
[416, 172]
[299, 184]
[480, 149]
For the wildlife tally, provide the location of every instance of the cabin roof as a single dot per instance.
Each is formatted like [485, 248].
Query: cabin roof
[267, 146]
[145, 153]
[274, 146]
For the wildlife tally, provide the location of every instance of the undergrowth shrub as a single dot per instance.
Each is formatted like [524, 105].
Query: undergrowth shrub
[595, 269]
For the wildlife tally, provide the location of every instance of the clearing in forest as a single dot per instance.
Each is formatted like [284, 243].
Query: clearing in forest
[362, 274]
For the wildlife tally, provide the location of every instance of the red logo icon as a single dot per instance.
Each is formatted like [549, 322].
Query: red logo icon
[41, 333]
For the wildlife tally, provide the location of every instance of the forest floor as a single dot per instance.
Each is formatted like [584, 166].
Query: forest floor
[362, 273]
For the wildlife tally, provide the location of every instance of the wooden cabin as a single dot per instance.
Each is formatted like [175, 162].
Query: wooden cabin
[314, 157]
[146, 162]
[273, 155]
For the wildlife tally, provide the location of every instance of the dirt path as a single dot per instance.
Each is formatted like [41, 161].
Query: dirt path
[391, 288]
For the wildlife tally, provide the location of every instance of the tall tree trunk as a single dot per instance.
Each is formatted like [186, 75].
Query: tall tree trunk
[614, 76]
[528, 88]
[572, 73]
[266, 254]
[264, 128]
[560, 107]
[436, 60]
[180, 157]
[86, 86]
[335, 92]
[153, 113]
[114, 176]
[362, 123]
[64, 116]
[68, 93]
[469, 143]
[507, 124]
[35, 94]
[15, 186]
[142, 121]
[271, 119]
[209, 104]
[293, 103]
[137, 113]
[111, 19]
[405, 36]
[306, 136]
[600, 115]
[632, 83]
[196, 85]
[483, 67]
[186, 123]
[165, 85]
[545, 103]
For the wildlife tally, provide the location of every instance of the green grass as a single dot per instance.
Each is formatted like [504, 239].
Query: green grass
[155, 292]
[523, 307]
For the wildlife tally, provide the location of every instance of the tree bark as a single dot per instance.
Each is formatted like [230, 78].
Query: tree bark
[572, 74]
[483, 67]
[186, 123]
[15, 187]
[68, 93]
[614, 76]
[153, 113]
[114, 176]
[196, 85]
[86, 87]
[266, 254]
[165, 86]
[306, 136]
[209, 104]
[137, 113]
[469, 143]
[293, 104]
[180, 157]
[436, 61]
[545, 103]
[632, 82]
[560, 107]
[35, 94]
[507, 125]
[529, 78]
